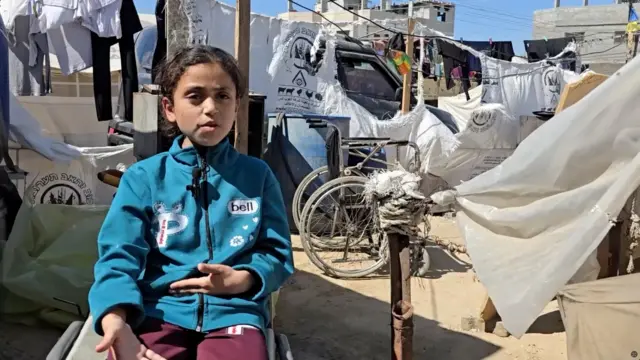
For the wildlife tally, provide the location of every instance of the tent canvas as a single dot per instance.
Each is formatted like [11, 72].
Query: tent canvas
[534, 220]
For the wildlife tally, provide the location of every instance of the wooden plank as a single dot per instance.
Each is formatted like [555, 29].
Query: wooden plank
[242, 36]
[574, 92]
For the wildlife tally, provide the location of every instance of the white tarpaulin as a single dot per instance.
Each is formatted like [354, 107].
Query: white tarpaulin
[461, 108]
[283, 68]
[532, 221]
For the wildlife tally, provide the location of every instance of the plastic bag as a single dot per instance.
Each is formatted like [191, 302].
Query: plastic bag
[50, 255]
[532, 222]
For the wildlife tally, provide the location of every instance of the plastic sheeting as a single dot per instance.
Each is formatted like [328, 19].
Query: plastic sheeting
[490, 136]
[533, 221]
[73, 182]
[461, 108]
[283, 68]
[50, 254]
[601, 318]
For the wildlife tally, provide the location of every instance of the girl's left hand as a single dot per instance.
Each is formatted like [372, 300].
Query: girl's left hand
[219, 280]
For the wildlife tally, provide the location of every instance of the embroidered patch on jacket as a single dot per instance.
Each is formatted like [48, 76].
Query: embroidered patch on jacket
[236, 241]
[168, 222]
[242, 207]
[239, 329]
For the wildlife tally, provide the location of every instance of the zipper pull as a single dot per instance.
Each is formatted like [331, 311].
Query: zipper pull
[195, 179]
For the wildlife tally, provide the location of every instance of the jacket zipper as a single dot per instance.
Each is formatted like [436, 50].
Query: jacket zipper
[205, 205]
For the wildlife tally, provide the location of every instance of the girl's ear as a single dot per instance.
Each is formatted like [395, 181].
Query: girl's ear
[167, 108]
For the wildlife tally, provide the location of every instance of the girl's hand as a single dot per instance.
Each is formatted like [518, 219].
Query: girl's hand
[219, 280]
[119, 337]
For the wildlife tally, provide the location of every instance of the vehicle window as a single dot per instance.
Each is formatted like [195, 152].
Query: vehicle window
[366, 77]
[145, 46]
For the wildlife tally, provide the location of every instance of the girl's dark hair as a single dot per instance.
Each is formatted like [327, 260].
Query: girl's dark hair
[172, 69]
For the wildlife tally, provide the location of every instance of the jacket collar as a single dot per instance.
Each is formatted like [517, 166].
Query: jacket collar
[220, 154]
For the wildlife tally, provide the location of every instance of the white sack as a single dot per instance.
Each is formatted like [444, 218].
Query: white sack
[71, 183]
[532, 221]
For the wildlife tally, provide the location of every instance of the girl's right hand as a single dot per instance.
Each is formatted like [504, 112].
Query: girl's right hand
[119, 337]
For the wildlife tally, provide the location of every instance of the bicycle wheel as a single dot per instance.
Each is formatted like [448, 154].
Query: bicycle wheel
[348, 228]
[309, 184]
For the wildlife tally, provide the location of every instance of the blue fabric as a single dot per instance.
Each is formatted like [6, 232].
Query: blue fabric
[4, 80]
[155, 233]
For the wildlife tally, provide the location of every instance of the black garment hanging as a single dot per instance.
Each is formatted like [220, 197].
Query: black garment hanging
[160, 51]
[538, 50]
[502, 50]
[452, 57]
[100, 50]
[396, 43]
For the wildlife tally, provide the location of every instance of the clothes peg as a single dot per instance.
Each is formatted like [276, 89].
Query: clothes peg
[490, 41]
[545, 38]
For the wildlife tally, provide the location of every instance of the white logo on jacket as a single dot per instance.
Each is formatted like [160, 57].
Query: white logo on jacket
[236, 241]
[242, 207]
[164, 218]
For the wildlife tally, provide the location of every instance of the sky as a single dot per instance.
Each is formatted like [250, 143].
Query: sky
[500, 20]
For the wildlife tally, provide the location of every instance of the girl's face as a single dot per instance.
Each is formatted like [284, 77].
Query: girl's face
[204, 105]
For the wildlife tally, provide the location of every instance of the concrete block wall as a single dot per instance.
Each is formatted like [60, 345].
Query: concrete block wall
[596, 21]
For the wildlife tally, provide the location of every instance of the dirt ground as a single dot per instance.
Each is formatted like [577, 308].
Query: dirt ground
[327, 318]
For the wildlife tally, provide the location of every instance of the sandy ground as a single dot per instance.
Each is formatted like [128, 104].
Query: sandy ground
[327, 318]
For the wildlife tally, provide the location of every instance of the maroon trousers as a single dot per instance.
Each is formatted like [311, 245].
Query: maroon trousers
[175, 343]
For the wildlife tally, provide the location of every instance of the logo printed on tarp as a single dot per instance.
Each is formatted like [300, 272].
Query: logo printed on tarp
[61, 189]
[481, 120]
[295, 93]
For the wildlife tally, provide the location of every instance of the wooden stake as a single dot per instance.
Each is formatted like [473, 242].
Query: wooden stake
[242, 37]
[406, 82]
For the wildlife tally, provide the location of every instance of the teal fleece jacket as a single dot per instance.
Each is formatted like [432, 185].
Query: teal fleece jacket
[181, 208]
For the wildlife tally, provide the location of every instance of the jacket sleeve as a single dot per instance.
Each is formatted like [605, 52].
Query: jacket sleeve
[122, 252]
[271, 259]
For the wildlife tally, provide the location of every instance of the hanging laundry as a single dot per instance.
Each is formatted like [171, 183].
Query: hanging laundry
[396, 43]
[502, 50]
[160, 52]
[402, 61]
[100, 48]
[453, 56]
[538, 50]
[29, 64]
[632, 23]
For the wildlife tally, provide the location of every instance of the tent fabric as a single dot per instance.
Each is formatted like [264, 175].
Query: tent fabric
[532, 222]
[50, 255]
[601, 318]
[461, 108]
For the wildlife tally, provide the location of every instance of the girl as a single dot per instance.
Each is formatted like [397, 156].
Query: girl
[196, 238]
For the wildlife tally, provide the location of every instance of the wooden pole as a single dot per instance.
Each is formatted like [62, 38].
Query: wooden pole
[242, 37]
[406, 81]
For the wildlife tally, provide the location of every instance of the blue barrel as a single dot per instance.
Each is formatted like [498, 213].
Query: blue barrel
[294, 150]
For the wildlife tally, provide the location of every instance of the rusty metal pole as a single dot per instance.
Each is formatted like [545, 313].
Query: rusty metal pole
[401, 308]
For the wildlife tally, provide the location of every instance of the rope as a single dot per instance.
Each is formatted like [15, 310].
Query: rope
[634, 234]
[400, 203]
